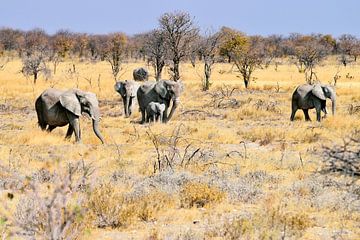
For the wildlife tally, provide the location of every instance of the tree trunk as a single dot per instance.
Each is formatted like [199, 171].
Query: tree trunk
[176, 70]
[55, 66]
[35, 76]
[207, 71]
[246, 77]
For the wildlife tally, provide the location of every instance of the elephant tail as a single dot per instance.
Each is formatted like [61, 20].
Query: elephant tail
[40, 112]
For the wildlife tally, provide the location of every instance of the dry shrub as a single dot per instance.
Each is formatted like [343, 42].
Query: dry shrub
[57, 214]
[107, 207]
[297, 221]
[199, 195]
[111, 208]
[148, 207]
[265, 223]
[238, 228]
[265, 136]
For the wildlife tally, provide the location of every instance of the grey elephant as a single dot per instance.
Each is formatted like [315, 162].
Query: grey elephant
[57, 108]
[127, 90]
[162, 92]
[307, 97]
[140, 74]
[155, 111]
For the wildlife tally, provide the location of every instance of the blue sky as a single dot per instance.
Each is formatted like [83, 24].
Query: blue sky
[262, 17]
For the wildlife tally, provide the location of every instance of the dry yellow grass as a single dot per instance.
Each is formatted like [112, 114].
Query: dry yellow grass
[273, 145]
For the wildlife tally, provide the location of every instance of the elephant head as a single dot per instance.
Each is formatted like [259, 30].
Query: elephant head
[127, 90]
[169, 90]
[322, 92]
[79, 102]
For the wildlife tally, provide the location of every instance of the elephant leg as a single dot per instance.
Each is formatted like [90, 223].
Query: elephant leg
[50, 128]
[306, 113]
[293, 111]
[142, 116]
[125, 109]
[165, 114]
[75, 124]
[318, 107]
[43, 126]
[130, 105]
[323, 108]
[318, 115]
[69, 132]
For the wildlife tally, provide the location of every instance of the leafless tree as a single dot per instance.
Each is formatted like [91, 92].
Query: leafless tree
[180, 34]
[96, 46]
[81, 41]
[273, 49]
[114, 51]
[35, 55]
[307, 52]
[348, 46]
[155, 51]
[208, 49]
[12, 40]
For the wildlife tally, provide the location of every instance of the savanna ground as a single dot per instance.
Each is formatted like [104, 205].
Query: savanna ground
[232, 165]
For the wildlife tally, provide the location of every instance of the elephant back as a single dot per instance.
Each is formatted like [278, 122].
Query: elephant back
[146, 87]
[140, 74]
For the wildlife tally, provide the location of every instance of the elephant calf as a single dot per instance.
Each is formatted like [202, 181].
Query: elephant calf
[56, 108]
[155, 112]
[307, 97]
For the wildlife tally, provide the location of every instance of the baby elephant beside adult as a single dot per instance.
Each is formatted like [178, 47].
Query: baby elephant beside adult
[127, 90]
[155, 112]
[57, 108]
[307, 97]
[162, 92]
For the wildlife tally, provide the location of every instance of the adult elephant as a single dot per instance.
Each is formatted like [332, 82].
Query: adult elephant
[307, 97]
[56, 108]
[140, 74]
[127, 90]
[162, 92]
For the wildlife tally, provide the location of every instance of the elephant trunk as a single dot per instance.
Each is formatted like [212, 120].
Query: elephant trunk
[127, 106]
[333, 99]
[96, 130]
[174, 106]
[95, 115]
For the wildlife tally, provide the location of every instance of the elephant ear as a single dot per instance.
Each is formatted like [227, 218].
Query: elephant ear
[161, 89]
[70, 101]
[318, 92]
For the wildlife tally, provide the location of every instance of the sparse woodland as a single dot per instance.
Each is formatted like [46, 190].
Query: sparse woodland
[229, 165]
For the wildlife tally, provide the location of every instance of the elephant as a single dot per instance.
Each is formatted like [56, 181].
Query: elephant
[140, 74]
[162, 92]
[155, 111]
[57, 108]
[127, 90]
[307, 97]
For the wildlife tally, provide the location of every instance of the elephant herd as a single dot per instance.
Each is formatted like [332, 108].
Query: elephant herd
[56, 108]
